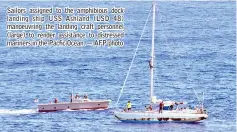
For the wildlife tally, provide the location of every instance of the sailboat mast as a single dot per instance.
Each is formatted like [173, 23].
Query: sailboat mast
[152, 51]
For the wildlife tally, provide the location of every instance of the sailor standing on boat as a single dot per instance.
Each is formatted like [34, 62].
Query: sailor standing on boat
[56, 100]
[161, 107]
[77, 96]
[71, 97]
[129, 106]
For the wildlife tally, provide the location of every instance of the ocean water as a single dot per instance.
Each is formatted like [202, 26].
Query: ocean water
[195, 49]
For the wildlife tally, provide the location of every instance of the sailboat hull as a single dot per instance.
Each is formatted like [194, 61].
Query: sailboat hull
[166, 116]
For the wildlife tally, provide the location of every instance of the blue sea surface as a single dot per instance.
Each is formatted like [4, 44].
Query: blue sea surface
[195, 45]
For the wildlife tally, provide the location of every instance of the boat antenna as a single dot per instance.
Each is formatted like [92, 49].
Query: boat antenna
[152, 50]
[130, 67]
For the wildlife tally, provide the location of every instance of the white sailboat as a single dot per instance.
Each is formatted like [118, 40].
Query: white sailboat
[166, 115]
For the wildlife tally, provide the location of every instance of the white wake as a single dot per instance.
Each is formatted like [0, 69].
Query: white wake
[17, 112]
